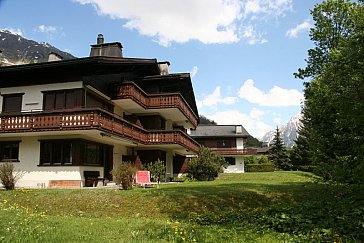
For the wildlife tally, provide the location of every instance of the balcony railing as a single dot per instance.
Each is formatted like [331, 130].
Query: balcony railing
[84, 119]
[130, 90]
[234, 151]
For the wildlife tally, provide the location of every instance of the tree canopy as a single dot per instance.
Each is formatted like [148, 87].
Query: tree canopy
[334, 97]
[205, 120]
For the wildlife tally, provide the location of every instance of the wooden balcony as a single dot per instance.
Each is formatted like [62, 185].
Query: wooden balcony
[130, 90]
[234, 151]
[85, 119]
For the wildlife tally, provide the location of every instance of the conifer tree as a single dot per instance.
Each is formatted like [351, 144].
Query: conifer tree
[278, 153]
[300, 155]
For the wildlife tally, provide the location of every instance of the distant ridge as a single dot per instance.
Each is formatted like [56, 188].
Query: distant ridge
[19, 50]
[288, 132]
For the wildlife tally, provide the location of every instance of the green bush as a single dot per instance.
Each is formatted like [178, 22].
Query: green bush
[8, 176]
[259, 167]
[263, 160]
[206, 166]
[250, 160]
[124, 175]
[157, 170]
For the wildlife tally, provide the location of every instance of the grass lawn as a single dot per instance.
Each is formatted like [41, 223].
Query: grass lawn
[250, 207]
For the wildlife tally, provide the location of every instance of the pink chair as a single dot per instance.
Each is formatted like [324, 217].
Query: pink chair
[142, 178]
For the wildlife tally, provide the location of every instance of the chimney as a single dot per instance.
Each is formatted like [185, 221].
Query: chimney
[113, 49]
[239, 129]
[164, 68]
[100, 39]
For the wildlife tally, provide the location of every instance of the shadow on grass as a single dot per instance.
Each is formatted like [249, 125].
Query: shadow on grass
[202, 197]
[317, 211]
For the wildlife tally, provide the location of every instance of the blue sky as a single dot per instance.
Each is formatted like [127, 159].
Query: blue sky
[241, 53]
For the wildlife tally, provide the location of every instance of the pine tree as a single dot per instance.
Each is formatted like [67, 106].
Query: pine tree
[300, 155]
[278, 153]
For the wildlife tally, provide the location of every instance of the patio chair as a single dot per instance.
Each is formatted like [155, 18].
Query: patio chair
[142, 178]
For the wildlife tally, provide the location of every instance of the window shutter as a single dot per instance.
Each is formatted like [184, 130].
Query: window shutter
[12, 103]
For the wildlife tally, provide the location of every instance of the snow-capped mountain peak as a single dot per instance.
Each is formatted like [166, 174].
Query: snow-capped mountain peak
[15, 49]
[288, 131]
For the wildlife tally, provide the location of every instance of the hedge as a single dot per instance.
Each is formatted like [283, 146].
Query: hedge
[259, 168]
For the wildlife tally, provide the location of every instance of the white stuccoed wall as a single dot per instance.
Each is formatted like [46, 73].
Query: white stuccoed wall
[239, 160]
[29, 147]
[33, 96]
[238, 167]
[29, 152]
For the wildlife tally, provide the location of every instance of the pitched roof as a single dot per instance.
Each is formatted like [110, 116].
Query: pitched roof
[218, 131]
[48, 72]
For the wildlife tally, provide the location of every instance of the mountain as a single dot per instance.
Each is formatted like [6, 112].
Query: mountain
[16, 49]
[288, 131]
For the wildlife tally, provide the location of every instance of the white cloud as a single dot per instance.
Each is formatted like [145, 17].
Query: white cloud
[267, 7]
[293, 33]
[46, 29]
[256, 113]
[208, 21]
[253, 124]
[215, 99]
[194, 71]
[252, 37]
[50, 31]
[276, 96]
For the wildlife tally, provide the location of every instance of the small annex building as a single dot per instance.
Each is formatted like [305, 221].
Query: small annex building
[63, 121]
[228, 141]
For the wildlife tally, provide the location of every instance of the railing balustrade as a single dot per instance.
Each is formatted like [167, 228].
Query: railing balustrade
[234, 151]
[93, 119]
[130, 90]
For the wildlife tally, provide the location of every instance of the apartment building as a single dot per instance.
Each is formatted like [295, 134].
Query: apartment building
[64, 120]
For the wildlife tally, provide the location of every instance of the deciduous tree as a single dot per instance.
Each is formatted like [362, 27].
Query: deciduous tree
[334, 98]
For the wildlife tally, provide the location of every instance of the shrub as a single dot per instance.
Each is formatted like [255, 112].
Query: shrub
[157, 170]
[206, 166]
[259, 167]
[124, 174]
[250, 160]
[263, 160]
[8, 176]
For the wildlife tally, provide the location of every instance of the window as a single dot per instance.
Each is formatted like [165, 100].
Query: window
[96, 153]
[9, 151]
[12, 103]
[62, 99]
[57, 152]
[230, 160]
[74, 152]
[92, 154]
